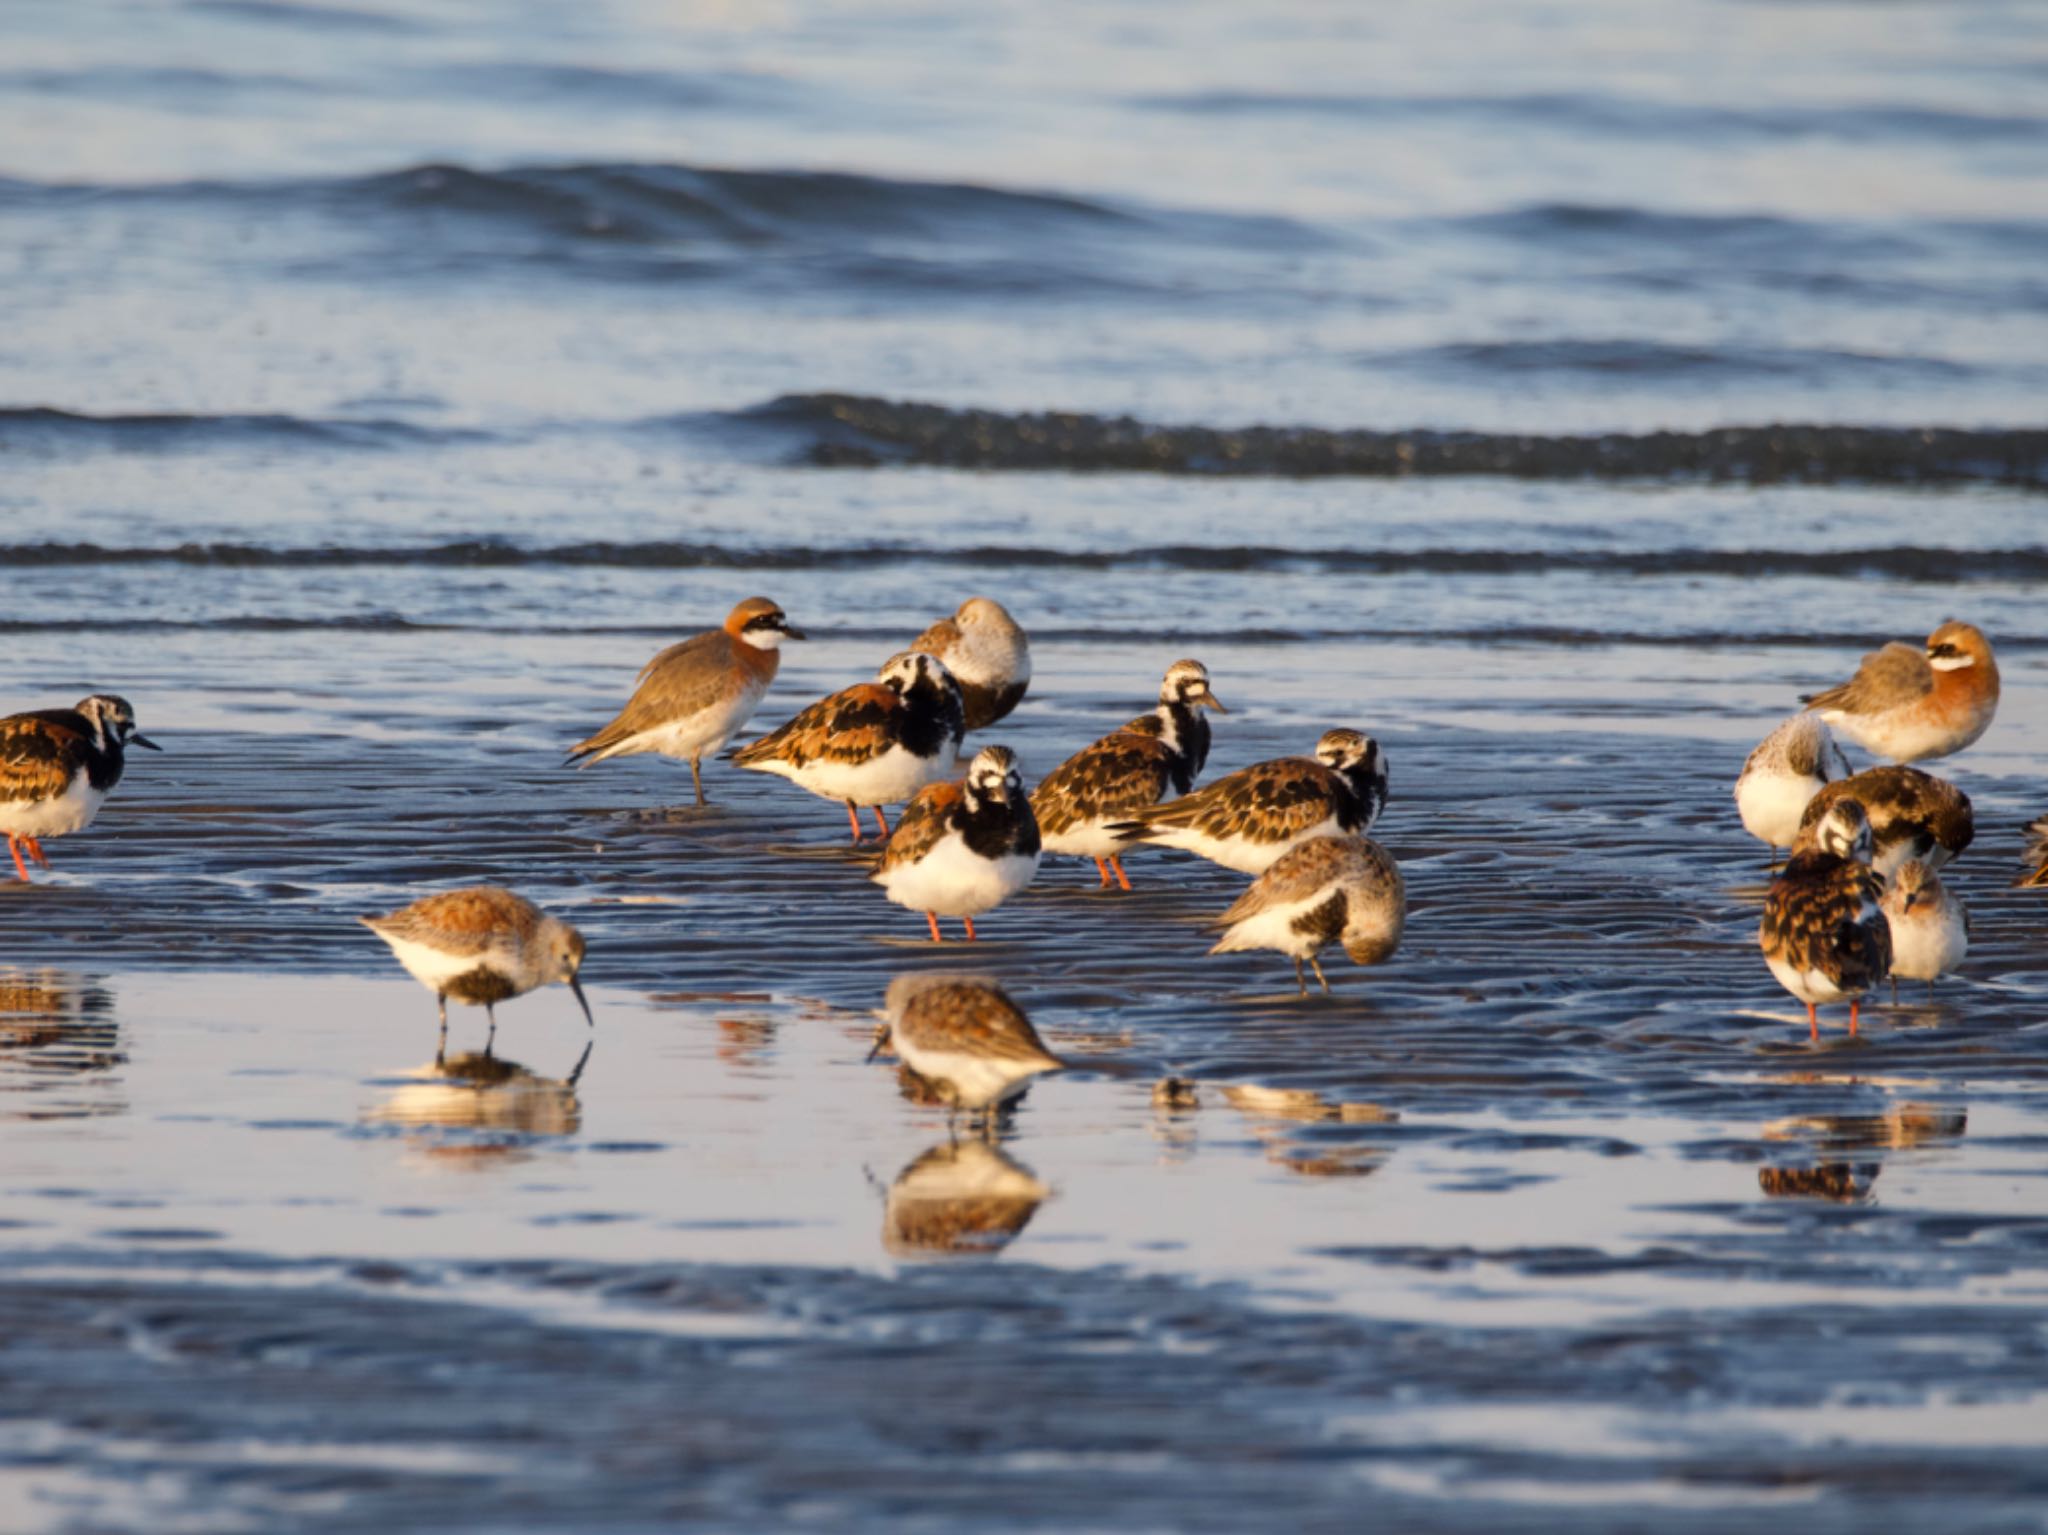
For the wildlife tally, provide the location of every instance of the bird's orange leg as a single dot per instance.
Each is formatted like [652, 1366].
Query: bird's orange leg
[933, 918]
[970, 928]
[881, 822]
[853, 819]
[1116, 862]
[14, 847]
[1812, 1024]
[1852, 1017]
[1102, 869]
[35, 850]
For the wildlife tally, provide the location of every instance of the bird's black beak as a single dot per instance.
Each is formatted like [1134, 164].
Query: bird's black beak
[144, 742]
[792, 634]
[881, 1039]
[582, 1001]
[1211, 701]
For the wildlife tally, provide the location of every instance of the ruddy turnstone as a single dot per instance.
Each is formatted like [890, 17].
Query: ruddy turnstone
[960, 1199]
[874, 743]
[960, 849]
[482, 946]
[1326, 890]
[1909, 704]
[1787, 769]
[1126, 771]
[1912, 815]
[1930, 928]
[695, 696]
[983, 647]
[963, 1035]
[57, 767]
[1824, 933]
[1247, 820]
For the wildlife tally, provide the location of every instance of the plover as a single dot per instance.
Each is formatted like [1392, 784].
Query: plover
[964, 1035]
[1909, 705]
[1126, 771]
[1247, 820]
[1824, 933]
[1782, 775]
[1912, 815]
[482, 946]
[695, 696]
[960, 1199]
[1930, 929]
[983, 647]
[961, 849]
[875, 743]
[1326, 890]
[57, 767]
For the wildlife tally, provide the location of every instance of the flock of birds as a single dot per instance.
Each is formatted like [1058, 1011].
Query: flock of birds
[1859, 899]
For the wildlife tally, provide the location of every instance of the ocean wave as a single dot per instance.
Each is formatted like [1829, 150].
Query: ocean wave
[31, 425]
[839, 430]
[1921, 566]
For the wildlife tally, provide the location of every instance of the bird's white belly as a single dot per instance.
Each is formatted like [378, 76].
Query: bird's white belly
[1771, 805]
[1271, 929]
[1086, 839]
[976, 1080]
[950, 881]
[1806, 985]
[701, 734]
[1909, 734]
[889, 779]
[1924, 949]
[70, 811]
[1245, 856]
[435, 968]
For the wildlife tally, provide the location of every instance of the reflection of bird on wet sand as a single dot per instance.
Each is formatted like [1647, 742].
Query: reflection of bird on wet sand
[1300, 1105]
[485, 1096]
[1899, 1128]
[960, 1200]
[1843, 1182]
[53, 1022]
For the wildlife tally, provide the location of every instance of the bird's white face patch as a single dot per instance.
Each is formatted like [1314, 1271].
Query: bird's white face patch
[763, 639]
[1953, 663]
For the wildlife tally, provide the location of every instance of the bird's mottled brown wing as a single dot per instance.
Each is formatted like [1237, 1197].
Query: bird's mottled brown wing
[1118, 776]
[683, 680]
[38, 757]
[855, 724]
[462, 922]
[1269, 800]
[1298, 874]
[1825, 914]
[974, 1019]
[931, 813]
[1894, 675]
[939, 638]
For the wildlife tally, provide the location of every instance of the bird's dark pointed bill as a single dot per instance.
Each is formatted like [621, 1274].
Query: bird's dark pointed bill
[582, 1001]
[1214, 702]
[881, 1039]
[793, 634]
[144, 742]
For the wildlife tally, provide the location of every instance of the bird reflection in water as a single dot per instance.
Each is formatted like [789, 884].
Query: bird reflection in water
[1899, 1128]
[56, 1028]
[1843, 1182]
[478, 1107]
[962, 1199]
[1313, 1156]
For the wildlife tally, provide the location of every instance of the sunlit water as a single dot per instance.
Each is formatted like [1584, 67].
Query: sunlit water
[381, 385]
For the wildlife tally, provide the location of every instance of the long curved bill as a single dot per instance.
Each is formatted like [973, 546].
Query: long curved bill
[582, 1001]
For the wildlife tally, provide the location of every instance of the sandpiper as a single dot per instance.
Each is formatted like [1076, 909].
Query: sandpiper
[695, 696]
[985, 649]
[1824, 933]
[57, 767]
[965, 1036]
[1328, 889]
[1930, 929]
[1909, 705]
[1912, 815]
[1791, 765]
[1126, 771]
[875, 743]
[961, 849]
[1247, 820]
[482, 945]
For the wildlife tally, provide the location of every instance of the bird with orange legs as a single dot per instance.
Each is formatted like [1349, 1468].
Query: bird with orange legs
[962, 849]
[1824, 932]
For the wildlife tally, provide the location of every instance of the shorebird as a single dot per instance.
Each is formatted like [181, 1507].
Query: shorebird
[482, 946]
[2036, 855]
[874, 744]
[1791, 765]
[963, 1035]
[695, 696]
[1126, 771]
[983, 647]
[57, 767]
[961, 849]
[1824, 933]
[1930, 929]
[1326, 890]
[1909, 705]
[1247, 820]
[1912, 815]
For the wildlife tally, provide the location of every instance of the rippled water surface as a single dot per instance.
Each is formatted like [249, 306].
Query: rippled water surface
[1556, 393]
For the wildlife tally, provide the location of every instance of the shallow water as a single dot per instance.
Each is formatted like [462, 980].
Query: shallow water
[378, 390]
